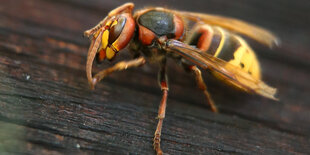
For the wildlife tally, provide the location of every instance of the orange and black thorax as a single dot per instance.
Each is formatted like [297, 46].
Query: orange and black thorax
[155, 23]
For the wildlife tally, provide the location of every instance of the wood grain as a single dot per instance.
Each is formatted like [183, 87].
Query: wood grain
[46, 106]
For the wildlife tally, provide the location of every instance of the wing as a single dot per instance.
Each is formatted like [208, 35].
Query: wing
[259, 34]
[228, 72]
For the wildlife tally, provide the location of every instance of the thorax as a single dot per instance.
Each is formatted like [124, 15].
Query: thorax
[153, 24]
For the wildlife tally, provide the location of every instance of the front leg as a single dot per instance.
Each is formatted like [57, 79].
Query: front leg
[163, 82]
[117, 67]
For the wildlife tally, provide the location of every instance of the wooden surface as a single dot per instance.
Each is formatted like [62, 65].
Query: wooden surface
[46, 106]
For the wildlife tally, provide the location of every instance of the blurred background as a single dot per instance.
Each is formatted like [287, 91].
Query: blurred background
[46, 106]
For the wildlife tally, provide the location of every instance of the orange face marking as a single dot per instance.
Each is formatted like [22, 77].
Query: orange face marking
[126, 34]
[101, 55]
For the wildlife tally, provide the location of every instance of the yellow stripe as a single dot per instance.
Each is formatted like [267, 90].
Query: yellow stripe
[220, 47]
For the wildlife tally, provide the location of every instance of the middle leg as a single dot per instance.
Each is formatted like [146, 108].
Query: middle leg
[163, 82]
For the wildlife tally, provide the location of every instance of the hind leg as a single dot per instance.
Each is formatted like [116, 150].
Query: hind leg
[201, 84]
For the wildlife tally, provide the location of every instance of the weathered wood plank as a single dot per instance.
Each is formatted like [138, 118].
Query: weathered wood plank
[47, 108]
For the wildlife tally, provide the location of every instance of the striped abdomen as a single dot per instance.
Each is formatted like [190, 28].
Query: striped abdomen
[226, 46]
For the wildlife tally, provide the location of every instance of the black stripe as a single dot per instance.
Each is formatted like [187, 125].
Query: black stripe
[215, 42]
[231, 44]
[194, 39]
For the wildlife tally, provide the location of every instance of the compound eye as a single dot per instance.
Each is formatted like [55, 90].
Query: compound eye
[116, 29]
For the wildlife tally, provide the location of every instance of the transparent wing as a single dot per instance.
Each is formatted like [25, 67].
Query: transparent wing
[259, 34]
[228, 72]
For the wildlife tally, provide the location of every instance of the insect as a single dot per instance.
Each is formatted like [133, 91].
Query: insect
[195, 40]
